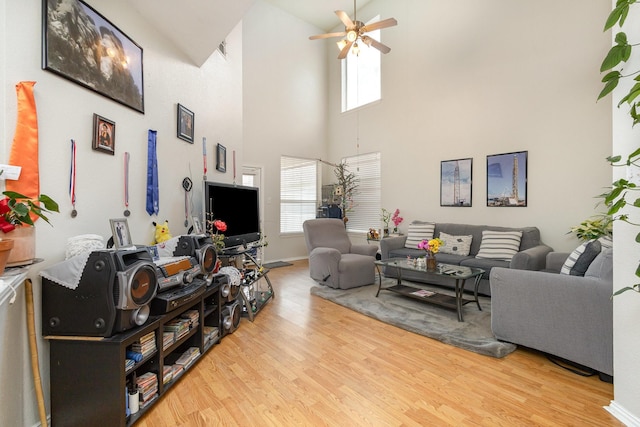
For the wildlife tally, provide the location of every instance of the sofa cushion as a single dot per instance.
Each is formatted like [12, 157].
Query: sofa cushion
[602, 266]
[500, 245]
[456, 245]
[579, 260]
[417, 232]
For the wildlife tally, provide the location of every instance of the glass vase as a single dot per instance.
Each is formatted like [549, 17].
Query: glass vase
[432, 263]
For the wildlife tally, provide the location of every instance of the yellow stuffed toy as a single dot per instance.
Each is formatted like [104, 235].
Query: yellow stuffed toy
[162, 233]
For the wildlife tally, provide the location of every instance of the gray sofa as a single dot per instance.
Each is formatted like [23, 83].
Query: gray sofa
[567, 316]
[530, 257]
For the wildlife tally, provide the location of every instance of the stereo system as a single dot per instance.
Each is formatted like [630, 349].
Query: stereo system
[200, 247]
[112, 295]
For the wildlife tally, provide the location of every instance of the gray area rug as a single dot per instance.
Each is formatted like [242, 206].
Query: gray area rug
[474, 334]
[276, 264]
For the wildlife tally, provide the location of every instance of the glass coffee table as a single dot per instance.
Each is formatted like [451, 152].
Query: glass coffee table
[457, 273]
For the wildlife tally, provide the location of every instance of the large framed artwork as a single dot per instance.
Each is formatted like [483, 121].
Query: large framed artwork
[81, 45]
[507, 179]
[456, 182]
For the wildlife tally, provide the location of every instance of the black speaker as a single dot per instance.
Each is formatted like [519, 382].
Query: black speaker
[230, 315]
[200, 247]
[113, 295]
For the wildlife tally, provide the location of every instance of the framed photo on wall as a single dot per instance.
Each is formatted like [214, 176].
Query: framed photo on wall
[507, 179]
[221, 158]
[120, 233]
[186, 123]
[456, 182]
[104, 135]
[97, 55]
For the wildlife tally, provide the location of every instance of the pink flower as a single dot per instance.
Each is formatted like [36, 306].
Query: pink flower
[221, 226]
[396, 218]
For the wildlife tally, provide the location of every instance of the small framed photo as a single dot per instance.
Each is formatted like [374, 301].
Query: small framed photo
[221, 158]
[507, 179]
[456, 182]
[104, 135]
[197, 225]
[186, 123]
[120, 233]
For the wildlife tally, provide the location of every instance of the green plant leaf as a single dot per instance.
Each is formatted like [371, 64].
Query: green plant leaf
[49, 203]
[621, 39]
[637, 241]
[617, 206]
[608, 88]
[613, 58]
[614, 159]
[14, 195]
[634, 154]
[611, 75]
[614, 16]
[625, 289]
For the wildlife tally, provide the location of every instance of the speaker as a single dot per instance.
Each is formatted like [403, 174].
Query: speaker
[230, 315]
[200, 247]
[112, 295]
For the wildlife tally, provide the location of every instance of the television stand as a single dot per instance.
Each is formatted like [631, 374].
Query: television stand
[254, 298]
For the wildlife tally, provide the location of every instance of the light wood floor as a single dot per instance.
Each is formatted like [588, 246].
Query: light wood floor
[308, 362]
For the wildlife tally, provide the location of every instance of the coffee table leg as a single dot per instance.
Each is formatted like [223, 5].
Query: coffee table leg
[379, 280]
[475, 291]
[459, 290]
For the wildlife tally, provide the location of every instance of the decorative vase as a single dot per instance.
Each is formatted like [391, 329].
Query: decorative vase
[386, 232]
[432, 264]
[24, 246]
[6, 245]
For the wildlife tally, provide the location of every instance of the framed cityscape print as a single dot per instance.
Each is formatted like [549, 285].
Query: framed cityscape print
[507, 179]
[81, 45]
[456, 182]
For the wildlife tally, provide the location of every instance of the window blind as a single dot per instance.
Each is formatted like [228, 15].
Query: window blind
[366, 200]
[298, 192]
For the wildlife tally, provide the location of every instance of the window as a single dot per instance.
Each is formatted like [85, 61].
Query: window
[366, 200]
[298, 193]
[361, 75]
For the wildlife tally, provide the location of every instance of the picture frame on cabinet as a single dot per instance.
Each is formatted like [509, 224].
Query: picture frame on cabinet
[221, 158]
[120, 233]
[104, 135]
[507, 179]
[186, 123]
[94, 40]
[197, 225]
[456, 181]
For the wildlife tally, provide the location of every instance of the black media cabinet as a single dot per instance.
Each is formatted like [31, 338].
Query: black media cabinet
[89, 374]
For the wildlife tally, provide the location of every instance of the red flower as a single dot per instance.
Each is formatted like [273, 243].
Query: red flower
[221, 226]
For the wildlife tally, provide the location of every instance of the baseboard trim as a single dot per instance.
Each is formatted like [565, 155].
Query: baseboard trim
[622, 414]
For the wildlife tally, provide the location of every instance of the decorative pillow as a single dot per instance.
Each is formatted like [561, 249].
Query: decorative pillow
[456, 245]
[501, 245]
[579, 260]
[417, 232]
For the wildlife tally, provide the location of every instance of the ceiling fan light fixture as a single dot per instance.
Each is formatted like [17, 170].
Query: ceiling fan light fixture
[355, 49]
[341, 44]
[352, 35]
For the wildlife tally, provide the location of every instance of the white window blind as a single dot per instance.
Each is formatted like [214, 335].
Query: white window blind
[366, 200]
[361, 80]
[298, 193]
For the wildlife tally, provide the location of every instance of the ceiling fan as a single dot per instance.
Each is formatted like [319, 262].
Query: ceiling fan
[355, 30]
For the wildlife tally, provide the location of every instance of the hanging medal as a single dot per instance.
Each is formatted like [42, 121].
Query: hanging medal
[187, 184]
[126, 184]
[72, 180]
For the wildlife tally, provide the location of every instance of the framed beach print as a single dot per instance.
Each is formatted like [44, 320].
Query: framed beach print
[507, 179]
[81, 45]
[186, 123]
[456, 182]
[104, 135]
[221, 158]
[120, 233]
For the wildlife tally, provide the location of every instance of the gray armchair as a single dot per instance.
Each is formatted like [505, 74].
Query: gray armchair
[333, 260]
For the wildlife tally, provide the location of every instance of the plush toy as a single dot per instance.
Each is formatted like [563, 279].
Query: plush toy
[162, 233]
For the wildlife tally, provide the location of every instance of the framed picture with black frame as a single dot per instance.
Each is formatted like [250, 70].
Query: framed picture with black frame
[75, 37]
[186, 123]
[104, 135]
[456, 182]
[221, 158]
[507, 179]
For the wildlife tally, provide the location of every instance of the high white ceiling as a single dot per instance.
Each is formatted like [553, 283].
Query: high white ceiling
[198, 26]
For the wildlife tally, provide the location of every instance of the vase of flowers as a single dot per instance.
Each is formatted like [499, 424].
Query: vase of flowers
[216, 229]
[396, 219]
[385, 216]
[431, 247]
[17, 213]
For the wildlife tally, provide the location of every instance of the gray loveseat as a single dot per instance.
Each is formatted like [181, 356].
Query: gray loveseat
[567, 316]
[530, 257]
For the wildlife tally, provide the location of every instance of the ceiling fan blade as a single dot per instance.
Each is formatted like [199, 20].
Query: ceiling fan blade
[389, 22]
[345, 50]
[327, 35]
[345, 19]
[375, 43]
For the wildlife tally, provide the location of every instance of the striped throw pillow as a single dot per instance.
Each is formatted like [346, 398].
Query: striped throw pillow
[579, 260]
[499, 245]
[417, 232]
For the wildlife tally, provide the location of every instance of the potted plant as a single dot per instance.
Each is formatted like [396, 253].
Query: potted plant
[599, 226]
[17, 213]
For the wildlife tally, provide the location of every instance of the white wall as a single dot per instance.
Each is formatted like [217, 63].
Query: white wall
[473, 78]
[213, 92]
[285, 92]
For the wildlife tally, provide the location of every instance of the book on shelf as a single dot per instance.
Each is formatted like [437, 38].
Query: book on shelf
[423, 293]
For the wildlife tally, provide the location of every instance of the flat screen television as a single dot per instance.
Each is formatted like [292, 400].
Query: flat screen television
[238, 206]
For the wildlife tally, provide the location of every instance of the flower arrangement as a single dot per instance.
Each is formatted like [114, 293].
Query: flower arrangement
[385, 216]
[16, 209]
[432, 246]
[218, 238]
[396, 219]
